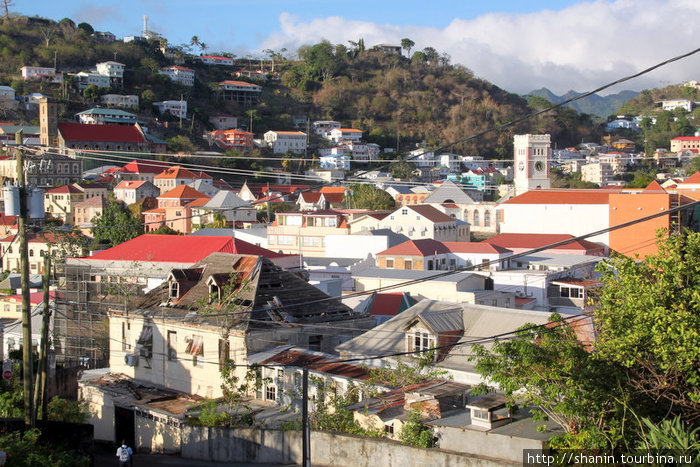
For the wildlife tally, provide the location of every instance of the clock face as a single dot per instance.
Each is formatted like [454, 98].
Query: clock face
[521, 166]
[539, 166]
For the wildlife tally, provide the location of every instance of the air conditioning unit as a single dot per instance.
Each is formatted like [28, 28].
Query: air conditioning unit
[131, 359]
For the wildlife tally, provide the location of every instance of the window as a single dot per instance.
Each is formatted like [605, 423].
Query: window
[285, 240]
[145, 341]
[315, 343]
[174, 289]
[172, 345]
[480, 414]
[31, 252]
[390, 263]
[214, 292]
[271, 393]
[404, 212]
[420, 340]
[487, 219]
[571, 292]
[476, 218]
[298, 381]
[408, 264]
[195, 347]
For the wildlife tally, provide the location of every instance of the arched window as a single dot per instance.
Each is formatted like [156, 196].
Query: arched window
[487, 219]
[476, 218]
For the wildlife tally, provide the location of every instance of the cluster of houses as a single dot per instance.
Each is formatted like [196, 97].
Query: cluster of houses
[156, 318]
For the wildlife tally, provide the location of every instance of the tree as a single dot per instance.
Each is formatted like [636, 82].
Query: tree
[91, 93]
[415, 433]
[649, 319]
[181, 143]
[165, 230]
[407, 44]
[402, 169]
[116, 224]
[369, 197]
[549, 368]
[86, 28]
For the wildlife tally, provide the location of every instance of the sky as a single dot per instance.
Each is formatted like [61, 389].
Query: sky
[517, 45]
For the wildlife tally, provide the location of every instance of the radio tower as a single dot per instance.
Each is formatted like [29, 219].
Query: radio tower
[145, 33]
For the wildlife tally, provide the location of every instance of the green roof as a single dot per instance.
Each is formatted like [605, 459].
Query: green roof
[107, 112]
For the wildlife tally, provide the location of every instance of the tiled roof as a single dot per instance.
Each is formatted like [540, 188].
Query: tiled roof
[310, 196]
[475, 247]
[144, 167]
[183, 192]
[240, 83]
[8, 220]
[288, 132]
[176, 172]
[527, 240]
[198, 203]
[95, 201]
[65, 189]
[41, 237]
[422, 247]
[108, 133]
[562, 197]
[655, 186]
[686, 138]
[430, 213]
[129, 184]
[333, 189]
[695, 178]
[334, 198]
[349, 130]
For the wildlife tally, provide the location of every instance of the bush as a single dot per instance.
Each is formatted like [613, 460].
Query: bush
[24, 450]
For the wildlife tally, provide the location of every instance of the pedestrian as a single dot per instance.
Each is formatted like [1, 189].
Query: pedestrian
[124, 454]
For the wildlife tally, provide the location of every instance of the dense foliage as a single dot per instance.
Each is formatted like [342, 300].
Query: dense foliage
[116, 225]
[642, 371]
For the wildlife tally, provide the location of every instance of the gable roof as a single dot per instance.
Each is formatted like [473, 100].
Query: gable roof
[562, 197]
[144, 167]
[226, 200]
[176, 172]
[449, 191]
[475, 247]
[130, 184]
[390, 303]
[529, 241]
[100, 133]
[430, 213]
[70, 189]
[165, 248]
[655, 186]
[695, 178]
[422, 247]
[333, 189]
[334, 198]
[183, 192]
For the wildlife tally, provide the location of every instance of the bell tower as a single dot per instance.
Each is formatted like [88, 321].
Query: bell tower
[532, 156]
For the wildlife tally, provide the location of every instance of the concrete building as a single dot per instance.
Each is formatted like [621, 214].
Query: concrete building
[127, 101]
[172, 107]
[240, 92]
[600, 173]
[130, 191]
[283, 142]
[179, 74]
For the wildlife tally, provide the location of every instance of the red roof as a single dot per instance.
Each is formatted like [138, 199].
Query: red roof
[179, 249]
[144, 167]
[183, 192]
[7, 220]
[422, 247]
[310, 196]
[129, 184]
[655, 186]
[333, 189]
[65, 189]
[41, 237]
[686, 138]
[317, 363]
[334, 198]
[35, 298]
[110, 133]
[562, 197]
[475, 247]
[222, 185]
[695, 178]
[199, 202]
[527, 240]
[176, 172]
[390, 304]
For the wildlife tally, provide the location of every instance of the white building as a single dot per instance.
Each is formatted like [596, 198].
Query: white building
[345, 134]
[339, 161]
[323, 128]
[40, 72]
[283, 142]
[7, 94]
[532, 156]
[117, 100]
[87, 78]
[422, 157]
[672, 104]
[452, 162]
[176, 108]
[212, 60]
[600, 173]
[180, 74]
[111, 69]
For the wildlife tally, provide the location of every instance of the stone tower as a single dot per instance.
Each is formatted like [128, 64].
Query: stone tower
[48, 122]
[532, 156]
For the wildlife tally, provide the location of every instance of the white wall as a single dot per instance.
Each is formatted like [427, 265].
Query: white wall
[573, 219]
[355, 246]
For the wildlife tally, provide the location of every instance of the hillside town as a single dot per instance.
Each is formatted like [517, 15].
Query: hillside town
[192, 304]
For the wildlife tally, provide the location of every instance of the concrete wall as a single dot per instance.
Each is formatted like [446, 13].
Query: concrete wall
[328, 449]
[155, 436]
[486, 444]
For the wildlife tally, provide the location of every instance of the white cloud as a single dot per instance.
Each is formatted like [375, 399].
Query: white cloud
[580, 47]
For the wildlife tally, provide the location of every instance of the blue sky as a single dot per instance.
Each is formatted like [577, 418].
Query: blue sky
[518, 45]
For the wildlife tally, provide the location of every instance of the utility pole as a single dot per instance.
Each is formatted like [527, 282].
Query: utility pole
[42, 372]
[306, 432]
[27, 364]
[269, 219]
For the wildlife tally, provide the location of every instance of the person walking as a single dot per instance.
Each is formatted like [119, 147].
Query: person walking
[124, 454]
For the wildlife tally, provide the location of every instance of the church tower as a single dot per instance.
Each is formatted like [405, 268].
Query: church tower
[48, 122]
[532, 156]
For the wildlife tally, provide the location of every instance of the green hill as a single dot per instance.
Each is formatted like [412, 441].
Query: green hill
[390, 97]
[601, 106]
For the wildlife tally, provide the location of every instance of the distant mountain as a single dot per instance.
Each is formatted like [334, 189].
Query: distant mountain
[594, 105]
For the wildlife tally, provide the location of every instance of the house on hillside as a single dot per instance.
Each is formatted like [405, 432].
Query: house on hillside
[425, 221]
[130, 191]
[175, 176]
[85, 211]
[283, 142]
[304, 232]
[173, 209]
[99, 116]
[179, 74]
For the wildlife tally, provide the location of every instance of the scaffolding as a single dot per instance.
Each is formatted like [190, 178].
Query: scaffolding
[84, 296]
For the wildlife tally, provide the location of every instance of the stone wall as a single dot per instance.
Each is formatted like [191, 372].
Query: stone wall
[327, 449]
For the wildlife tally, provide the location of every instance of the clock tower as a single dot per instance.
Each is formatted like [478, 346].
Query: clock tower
[532, 156]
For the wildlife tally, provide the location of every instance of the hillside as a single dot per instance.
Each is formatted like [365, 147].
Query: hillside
[646, 101]
[392, 98]
[601, 106]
